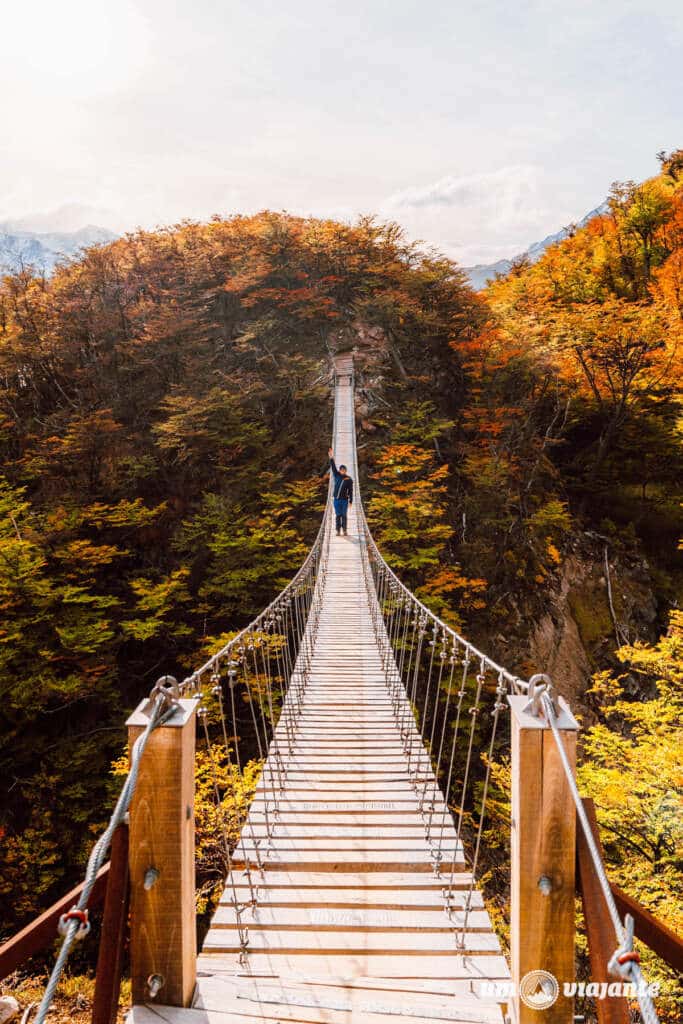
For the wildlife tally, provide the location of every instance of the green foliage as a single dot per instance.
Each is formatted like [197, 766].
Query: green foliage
[553, 517]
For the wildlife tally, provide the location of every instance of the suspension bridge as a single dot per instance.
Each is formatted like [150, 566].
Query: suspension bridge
[351, 879]
[364, 886]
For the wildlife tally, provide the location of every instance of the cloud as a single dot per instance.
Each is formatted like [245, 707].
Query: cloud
[476, 217]
[507, 190]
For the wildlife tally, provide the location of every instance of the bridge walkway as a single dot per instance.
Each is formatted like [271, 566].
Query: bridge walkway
[350, 923]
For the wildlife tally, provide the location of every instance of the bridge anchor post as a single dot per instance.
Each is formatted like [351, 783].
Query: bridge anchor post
[543, 852]
[163, 943]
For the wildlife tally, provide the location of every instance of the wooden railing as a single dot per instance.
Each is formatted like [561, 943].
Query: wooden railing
[110, 889]
[600, 931]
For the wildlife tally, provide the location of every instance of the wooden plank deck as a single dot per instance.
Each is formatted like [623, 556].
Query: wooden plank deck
[350, 923]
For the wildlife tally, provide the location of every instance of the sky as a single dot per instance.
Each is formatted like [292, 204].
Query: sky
[480, 127]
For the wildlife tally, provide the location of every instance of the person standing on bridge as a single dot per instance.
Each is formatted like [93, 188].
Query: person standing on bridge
[342, 492]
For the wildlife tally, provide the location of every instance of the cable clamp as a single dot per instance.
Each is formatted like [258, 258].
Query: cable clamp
[75, 914]
[620, 965]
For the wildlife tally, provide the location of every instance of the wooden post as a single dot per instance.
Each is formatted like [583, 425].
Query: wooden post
[543, 852]
[113, 934]
[163, 941]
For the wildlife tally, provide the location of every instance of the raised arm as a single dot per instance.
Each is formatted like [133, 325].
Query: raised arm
[333, 465]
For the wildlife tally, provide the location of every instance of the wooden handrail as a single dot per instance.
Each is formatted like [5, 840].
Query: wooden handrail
[599, 927]
[650, 930]
[601, 943]
[37, 935]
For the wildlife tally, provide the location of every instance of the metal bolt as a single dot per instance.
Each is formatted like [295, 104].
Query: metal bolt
[545, 885]
[155, 983]
[151, 878]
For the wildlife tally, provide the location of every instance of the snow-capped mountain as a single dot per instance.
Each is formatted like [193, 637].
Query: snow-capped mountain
[482, 273]
[20, 247]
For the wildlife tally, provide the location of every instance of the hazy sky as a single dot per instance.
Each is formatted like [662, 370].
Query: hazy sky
[479, 126]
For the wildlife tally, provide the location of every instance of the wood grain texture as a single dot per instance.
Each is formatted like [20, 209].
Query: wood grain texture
[163, 929]
[543, 845]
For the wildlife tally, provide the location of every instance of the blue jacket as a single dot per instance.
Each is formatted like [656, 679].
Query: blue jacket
[342, 489]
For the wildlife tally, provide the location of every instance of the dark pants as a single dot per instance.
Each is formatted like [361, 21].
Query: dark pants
[341, 507]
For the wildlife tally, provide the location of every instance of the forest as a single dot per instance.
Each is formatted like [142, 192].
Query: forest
[165, 414]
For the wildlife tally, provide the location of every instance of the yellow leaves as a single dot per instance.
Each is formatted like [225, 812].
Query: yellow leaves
[633, 768]
[125, 513]
[215, 819]
[553, 554]
[486, 468]
[85, 556]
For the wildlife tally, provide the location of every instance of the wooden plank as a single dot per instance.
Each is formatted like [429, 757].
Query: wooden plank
[390, 880]
[343, 776]
[242, 1009]
[332, 806]
[360, 918]
[440, 966]
[286, 1000]
[360, 983]
[335, 789]
[422, 899]
[359, 833]
[397, 988]
[350, 860]
[331, 943]
[284, 844]
[380, 821]
[163, 929]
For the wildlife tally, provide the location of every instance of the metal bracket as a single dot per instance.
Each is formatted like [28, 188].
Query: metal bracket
[166, 687]
[538, 685]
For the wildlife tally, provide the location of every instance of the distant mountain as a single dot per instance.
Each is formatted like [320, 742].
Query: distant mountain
[482, 273]
[43, 249]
